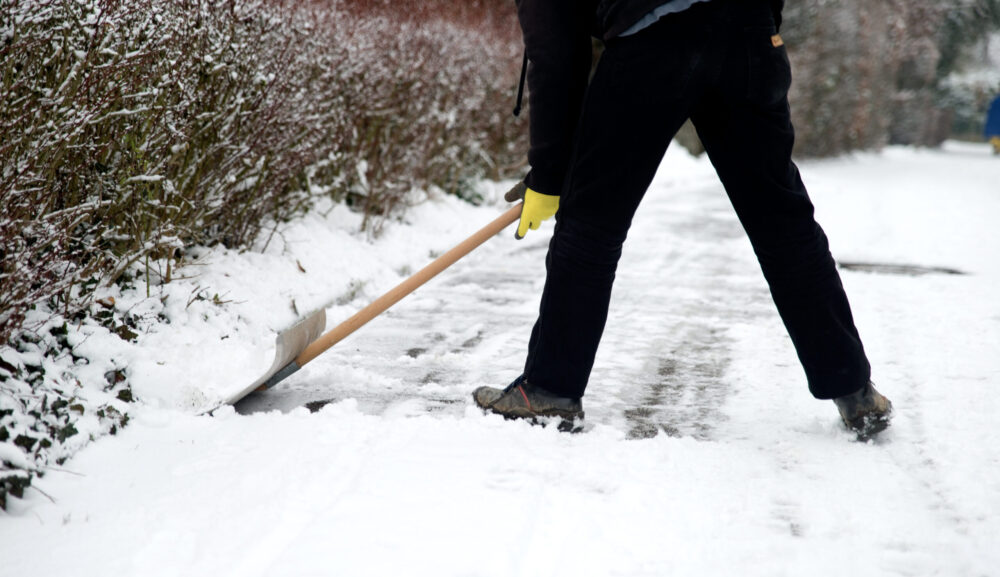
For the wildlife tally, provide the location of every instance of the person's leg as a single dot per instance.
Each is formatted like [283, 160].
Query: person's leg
[745, 125]
[638, 99]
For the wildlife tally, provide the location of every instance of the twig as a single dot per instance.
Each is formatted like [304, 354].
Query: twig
[67, 471]
[44, 494]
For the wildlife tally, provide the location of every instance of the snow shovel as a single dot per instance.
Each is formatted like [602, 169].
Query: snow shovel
[302, 342]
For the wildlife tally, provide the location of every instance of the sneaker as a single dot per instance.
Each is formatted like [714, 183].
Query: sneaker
[522, 400]
[865, 412]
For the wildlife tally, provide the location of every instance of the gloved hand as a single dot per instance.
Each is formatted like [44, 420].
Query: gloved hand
[537, 207]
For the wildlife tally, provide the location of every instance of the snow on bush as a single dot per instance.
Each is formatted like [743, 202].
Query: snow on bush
[133, 129]
[129, 129]
[55, 399]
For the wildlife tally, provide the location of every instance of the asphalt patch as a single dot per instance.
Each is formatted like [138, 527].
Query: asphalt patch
[897, 269]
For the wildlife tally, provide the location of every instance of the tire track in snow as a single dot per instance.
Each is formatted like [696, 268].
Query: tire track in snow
[693, 276]
[681, 282]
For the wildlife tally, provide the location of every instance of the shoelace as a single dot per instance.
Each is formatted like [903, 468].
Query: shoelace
[517, 382]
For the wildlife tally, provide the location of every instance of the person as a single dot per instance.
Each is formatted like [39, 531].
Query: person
[992, 129]
[594, 148]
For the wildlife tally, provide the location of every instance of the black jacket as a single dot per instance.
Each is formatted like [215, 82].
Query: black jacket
[616, 16]
[557, 40]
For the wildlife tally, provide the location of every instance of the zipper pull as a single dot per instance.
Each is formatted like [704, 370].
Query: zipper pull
[520, 85]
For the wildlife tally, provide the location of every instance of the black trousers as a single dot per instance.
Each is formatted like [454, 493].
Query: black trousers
[718, 64]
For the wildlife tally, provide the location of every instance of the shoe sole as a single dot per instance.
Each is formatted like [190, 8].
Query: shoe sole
[869, 425]
[565, 422]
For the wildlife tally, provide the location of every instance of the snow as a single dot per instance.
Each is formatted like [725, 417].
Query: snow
[703, 453]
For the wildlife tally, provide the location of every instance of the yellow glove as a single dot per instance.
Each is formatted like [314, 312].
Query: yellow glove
[537, 208]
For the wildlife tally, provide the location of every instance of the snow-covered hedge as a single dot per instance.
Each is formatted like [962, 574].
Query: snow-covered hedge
[132, 129]
[129, 128]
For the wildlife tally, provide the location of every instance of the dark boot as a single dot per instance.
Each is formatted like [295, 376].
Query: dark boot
[865, 412]
[521, 400]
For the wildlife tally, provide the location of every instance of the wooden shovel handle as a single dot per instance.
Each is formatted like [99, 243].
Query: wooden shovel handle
[381, 304]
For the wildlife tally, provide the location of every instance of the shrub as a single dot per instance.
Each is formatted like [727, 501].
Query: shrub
[872, 73]
[131, 129]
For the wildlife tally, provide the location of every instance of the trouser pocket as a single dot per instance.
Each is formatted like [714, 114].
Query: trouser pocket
[769, 74]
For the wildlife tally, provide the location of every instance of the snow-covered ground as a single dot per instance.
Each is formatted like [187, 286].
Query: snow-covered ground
[704, 454]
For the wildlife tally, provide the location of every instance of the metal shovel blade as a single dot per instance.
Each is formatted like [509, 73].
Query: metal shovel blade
[288, 344]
